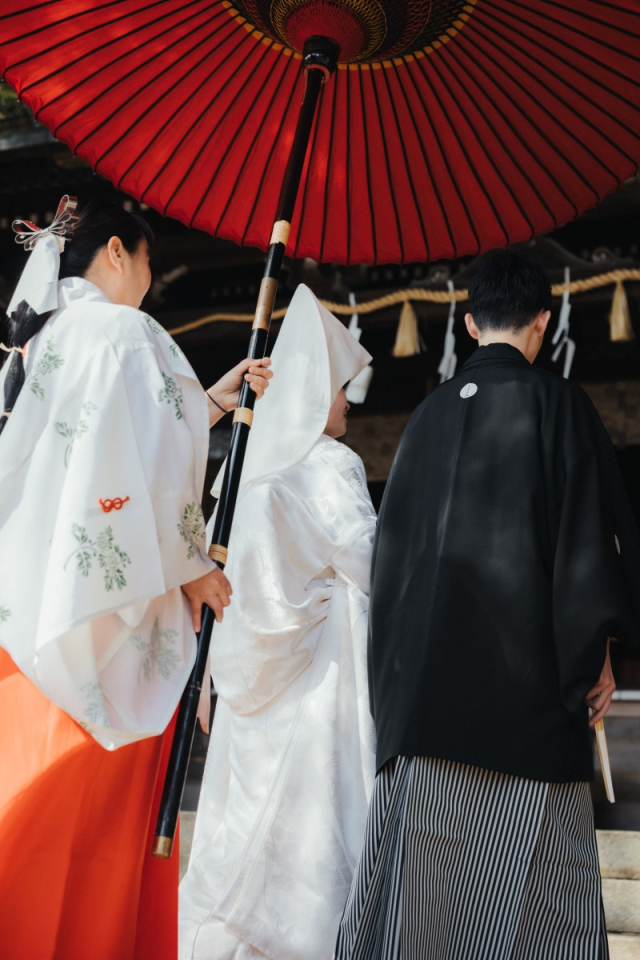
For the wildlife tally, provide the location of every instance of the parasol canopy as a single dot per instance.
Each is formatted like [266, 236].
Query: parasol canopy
[449, 127]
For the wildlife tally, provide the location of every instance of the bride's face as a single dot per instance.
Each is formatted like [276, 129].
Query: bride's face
[337, 419]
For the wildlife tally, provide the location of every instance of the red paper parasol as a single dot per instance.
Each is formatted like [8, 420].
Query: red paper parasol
[455, 125]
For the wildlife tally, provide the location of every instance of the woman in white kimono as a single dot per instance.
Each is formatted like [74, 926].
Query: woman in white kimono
[103, 448]
[291, 761]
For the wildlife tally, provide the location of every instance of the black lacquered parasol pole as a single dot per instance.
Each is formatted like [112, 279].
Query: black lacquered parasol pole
[319, 60]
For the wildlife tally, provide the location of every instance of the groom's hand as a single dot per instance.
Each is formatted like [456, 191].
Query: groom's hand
[599, 697]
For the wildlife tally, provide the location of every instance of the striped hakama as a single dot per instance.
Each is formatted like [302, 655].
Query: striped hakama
[461, 863]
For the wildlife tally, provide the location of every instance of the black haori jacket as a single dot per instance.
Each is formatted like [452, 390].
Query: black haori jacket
[506, 553]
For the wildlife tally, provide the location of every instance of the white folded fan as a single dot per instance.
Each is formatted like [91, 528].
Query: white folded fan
[603, 754]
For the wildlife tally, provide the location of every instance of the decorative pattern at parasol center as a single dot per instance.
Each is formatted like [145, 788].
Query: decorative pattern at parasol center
[365, 30]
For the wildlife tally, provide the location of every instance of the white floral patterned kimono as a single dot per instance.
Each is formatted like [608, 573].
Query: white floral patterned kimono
[291, 761]
[101, 470]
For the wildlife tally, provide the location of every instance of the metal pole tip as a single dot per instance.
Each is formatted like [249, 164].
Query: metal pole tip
[162, 847]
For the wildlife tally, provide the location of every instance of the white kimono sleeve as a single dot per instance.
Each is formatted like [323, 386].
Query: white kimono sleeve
[293, 532]
[333, 487]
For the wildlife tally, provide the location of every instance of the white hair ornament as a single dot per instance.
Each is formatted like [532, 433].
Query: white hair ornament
[38, 285]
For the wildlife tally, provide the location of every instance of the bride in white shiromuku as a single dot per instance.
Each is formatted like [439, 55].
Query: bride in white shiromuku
[291, 761]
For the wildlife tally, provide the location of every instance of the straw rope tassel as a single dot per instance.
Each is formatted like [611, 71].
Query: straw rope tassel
[407, 338]
[401, 296]
[620, 328]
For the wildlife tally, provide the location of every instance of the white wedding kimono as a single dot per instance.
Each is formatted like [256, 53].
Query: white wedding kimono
[102, 464]
[291, 761]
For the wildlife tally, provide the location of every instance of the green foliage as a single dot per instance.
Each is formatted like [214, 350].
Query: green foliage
[10, 106]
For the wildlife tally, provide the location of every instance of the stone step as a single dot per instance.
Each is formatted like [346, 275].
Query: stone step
[619, 853]
[624, 947]
[622, 905]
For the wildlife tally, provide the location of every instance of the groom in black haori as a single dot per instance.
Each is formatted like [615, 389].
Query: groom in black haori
[506, 556]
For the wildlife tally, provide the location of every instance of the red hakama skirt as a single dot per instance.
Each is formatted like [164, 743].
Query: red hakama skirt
[76, 827]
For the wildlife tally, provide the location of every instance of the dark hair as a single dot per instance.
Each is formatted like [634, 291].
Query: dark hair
[508, 291]
[98, 221]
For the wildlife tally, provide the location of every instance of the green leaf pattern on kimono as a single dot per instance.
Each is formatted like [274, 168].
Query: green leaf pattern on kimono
[95, 710]
[74, 433]
[49, 362]
[191, 528]
[160, 331]
[154, 326]
[172, 393]
[111, 559]
[159, 652]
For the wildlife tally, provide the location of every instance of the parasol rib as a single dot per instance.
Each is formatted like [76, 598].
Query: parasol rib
[151, 82]
[407, 167]
[601, 3]
[274, 143]
[48, 4]
[561, 23]
[248, 153]
[179, 109]
[347, 213]
[325, 204]
[214, 130]
[537, 102]
[449, 165]
[448, 83]
[97, 28]
[172, 116]
[467, 155]
[540, 132]
[425, 156]
[231, 106]
[367, 154]
[566, 83]
[211, 20]
[385, 148]
[609, 67]
[474, 64]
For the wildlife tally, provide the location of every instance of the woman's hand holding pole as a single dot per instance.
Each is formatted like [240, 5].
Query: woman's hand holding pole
[213, 589]
[223, 395]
